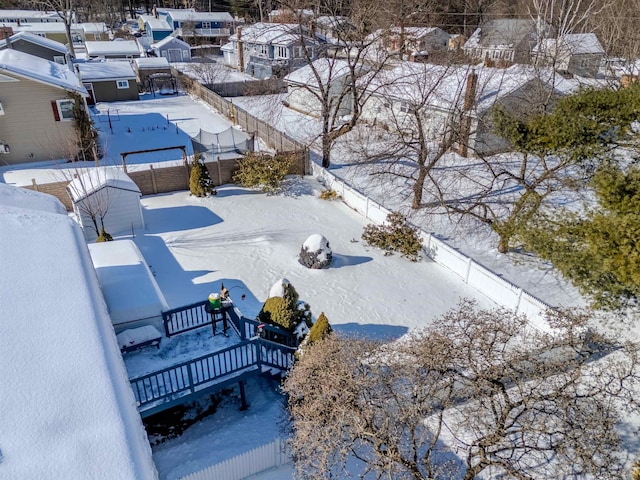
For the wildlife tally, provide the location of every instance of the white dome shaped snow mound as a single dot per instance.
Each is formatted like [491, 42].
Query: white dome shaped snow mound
[315, 252]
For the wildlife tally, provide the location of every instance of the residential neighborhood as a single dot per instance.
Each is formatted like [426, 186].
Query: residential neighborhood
[276, 240]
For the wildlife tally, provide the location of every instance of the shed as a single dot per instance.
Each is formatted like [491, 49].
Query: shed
[173, 49]
[108, 194]
[109, 81]
[131, 292]
[147, 66]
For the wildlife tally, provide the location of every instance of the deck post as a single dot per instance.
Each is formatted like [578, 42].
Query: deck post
[243, 397]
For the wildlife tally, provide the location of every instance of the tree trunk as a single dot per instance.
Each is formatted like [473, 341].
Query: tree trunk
[418, 188]
[326, 150]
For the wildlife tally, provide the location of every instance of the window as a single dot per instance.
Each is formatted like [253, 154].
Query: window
[59, 59]
[62, 110]
[405, 107]
[206, 25]
[122, 83]
[280, 52]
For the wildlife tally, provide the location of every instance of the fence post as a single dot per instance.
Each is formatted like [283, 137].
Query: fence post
[190, 376]
[469, 262]
[35, 185]
[153, 179]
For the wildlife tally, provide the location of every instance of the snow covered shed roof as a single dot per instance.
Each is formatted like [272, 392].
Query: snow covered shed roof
[36, 39]
[128, 286]
[106, 48]
[156, 24]
[40, 70]
[184, 15]
[152, 63]
[67, 409]
[90, 71]
[95, 179]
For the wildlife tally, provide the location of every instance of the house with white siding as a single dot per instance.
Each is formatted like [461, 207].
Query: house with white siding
[265, 50]
[578, 54]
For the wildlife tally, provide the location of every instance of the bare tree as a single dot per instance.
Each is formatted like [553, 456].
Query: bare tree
[66, 11]
[477, 394]
[338, 84]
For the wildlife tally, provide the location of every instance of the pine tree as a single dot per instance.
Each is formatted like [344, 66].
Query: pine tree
[200, 183]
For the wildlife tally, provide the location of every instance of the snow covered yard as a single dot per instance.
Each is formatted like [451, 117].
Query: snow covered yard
[248, 241]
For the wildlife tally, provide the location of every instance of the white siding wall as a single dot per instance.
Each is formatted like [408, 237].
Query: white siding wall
[123, 212]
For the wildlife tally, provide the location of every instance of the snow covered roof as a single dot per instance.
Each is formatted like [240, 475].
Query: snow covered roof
[157, 24]
[265, 33]
[104, 48]
[169, 40]
[51, 27]
[22, 14]
[21, 197]
[327, 68]
[105, 71]
[574, 43]
[92, 180]
[128, 286]
[39, 69]
[191, 16]
[67, 408]
[503, 32]
[152, 63]
[446, 85]
[36, 39]
[93, 27]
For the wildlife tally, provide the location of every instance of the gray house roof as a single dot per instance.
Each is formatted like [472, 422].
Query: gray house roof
[504, 31]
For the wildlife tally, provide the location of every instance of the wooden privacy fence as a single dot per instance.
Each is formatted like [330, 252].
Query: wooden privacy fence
[246, 464]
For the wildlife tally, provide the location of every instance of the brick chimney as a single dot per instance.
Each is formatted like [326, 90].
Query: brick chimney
[240, 49]
[7, 39]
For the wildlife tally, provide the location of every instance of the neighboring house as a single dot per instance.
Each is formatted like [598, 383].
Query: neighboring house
[412, 39]
[36, 119]
[39, 46]
[456, 41]
[29, 16]
[108, 195]
[147, 66]
[579, 54]
[109, 81]
[197, 28]
[113, 50]
[68, 411]
[80, 32]
[303, 88]
[507, 39]
[265, 50]
[459, 96]
[332, 28]
[156, 28]
[173, 49]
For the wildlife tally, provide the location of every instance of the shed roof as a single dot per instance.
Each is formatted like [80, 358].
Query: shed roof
[96, 179]
[152, 63]
[169, 40]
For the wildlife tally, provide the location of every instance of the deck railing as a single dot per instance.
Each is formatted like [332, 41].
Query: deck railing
[171, 385]
[190, 317]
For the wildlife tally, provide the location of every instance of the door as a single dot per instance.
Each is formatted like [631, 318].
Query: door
[91, 100]
[175, 55]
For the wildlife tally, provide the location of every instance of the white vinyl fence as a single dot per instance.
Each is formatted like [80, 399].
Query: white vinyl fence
[501, 291]
[246, 464]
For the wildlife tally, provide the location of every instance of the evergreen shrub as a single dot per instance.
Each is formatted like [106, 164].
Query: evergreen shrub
[396, 235]
[259, 170]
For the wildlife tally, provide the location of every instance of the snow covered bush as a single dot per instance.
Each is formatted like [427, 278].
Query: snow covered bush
[283, 307]
[200, 184]
[259, 170]
[396, 235]
[315, 252]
